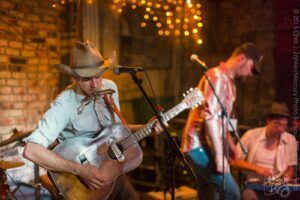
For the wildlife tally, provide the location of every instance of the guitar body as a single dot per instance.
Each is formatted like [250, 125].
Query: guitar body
[93, 149]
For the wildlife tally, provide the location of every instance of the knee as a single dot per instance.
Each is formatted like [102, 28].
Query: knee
[249, 194]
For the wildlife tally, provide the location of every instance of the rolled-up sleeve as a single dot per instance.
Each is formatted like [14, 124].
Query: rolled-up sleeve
[51, 124]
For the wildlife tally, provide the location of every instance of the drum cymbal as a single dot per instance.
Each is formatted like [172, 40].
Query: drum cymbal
[10, 164]
[15, 137]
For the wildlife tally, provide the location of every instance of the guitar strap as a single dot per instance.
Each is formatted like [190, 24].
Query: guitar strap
[113, 108]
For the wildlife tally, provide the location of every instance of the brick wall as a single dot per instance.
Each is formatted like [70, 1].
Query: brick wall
[29, 44]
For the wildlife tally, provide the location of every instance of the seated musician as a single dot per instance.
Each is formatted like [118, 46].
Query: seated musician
[271, 151]
[77, 112]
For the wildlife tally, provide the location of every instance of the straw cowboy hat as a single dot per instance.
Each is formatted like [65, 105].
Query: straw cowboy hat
[279, 109]
[86, 61]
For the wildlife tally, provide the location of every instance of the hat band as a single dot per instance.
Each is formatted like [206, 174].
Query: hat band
[85, 66]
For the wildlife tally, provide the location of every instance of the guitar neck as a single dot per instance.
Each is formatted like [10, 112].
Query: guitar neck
[147, 129]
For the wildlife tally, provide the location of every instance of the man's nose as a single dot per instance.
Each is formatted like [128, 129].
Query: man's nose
[93, 83]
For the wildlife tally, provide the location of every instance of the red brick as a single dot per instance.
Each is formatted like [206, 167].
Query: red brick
[5, 74]
[52, 27]
[4, 98]
[17, 14]
[6, 105]
[32, 76]
[15, 113]
[43, 68]
[39, 25]
[19, 75]
[49, 19]
[8, 20]
[16, 97]
[24, 24]
[5, 90]
[17, 1]
[2, 82]
[3, 59]
[12, 52]
[28, 83]
[24, 8]
[42, 54]
[5, 129]
[53, 12]
[30, 46]
[19, 105]
[6, 4]
[33, 17]
[32, 61]
[29, 97]
[30, 112]
[8, 121]
[21, 120]
[42, 97]
[39, 11]
[12, 82]
[19, 90]
[31, 69]
[3, 43]
[32, 3]
[44, 61]
[28, 53]
[17, 45]
[2, 50]
[34, 90]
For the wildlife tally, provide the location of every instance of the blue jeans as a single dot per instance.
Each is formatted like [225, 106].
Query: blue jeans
[210, 182]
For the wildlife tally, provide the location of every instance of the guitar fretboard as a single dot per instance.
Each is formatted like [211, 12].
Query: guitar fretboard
[147, 129]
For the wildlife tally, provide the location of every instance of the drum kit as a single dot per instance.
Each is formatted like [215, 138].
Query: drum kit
[5, 192]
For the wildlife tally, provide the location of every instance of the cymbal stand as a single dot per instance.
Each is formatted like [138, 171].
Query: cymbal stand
[37, 182]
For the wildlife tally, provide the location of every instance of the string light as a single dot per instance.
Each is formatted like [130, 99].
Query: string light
[180, 17]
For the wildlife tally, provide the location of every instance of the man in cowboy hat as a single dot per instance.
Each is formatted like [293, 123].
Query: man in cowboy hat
[202, 135]
[272, 152]
[77, 111]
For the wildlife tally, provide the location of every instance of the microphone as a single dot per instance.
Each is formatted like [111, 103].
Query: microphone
[120, 69]
[195, 58]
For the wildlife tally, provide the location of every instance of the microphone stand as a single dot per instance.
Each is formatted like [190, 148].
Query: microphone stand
[172, 145]
[224, 114]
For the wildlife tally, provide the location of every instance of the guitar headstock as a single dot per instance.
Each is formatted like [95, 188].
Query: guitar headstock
[193, 98]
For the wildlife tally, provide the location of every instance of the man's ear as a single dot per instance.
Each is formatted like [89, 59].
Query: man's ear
[241, 57]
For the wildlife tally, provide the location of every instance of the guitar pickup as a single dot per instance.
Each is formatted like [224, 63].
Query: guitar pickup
[114, 151]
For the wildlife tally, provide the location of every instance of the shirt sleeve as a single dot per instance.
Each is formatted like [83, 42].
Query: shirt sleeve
[293, 152]
[246, 141]
[51, 124]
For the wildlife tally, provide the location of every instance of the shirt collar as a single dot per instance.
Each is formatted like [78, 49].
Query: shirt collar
[263, 137]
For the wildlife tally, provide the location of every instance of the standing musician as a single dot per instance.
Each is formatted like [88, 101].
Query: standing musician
[202, 135]
[272, 152]
[77, 111]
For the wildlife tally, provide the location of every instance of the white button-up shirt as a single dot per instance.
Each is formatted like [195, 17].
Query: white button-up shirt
[255, 139]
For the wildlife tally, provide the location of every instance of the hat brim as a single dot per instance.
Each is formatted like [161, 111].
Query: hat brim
[256, 68]
[279, 115]
[88, 72]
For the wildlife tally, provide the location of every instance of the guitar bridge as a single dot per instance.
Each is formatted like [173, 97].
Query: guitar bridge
[114, 151]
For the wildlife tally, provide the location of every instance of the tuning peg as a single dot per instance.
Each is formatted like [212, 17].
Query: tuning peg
[191, 89]
[183, 94]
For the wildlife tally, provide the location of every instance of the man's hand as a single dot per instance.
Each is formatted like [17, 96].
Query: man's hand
[265, 172]
[92, 177]
[156, 128]
[219, 164]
